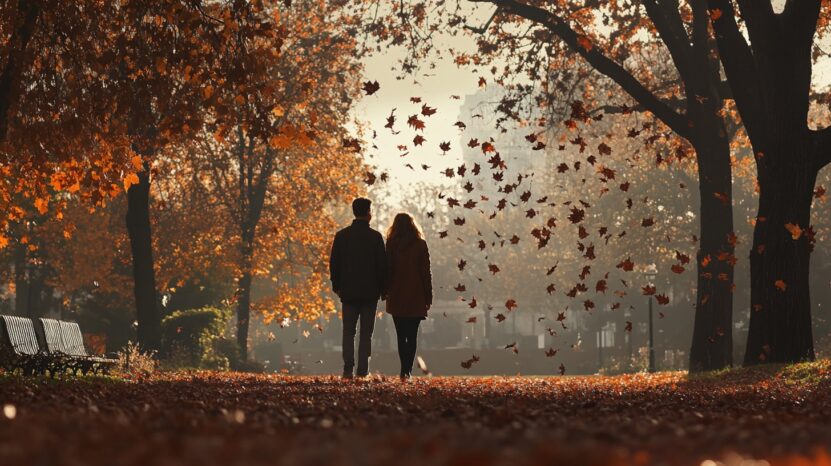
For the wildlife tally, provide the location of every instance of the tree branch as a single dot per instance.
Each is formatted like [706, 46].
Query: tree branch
[600, 62]
[671, 30]
[739, 66]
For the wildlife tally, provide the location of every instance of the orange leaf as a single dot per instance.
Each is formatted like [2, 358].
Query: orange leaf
[584, 42]
[42, 205]
[795, 230]
[137, 162]
[130, 180]
[780, 285]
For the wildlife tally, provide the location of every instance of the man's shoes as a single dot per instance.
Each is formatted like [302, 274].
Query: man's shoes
[347, 376]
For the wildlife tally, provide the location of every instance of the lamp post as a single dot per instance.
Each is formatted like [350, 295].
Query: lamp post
[651, 272]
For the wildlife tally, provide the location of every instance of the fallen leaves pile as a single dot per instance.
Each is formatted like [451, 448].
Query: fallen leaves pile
[779, 414]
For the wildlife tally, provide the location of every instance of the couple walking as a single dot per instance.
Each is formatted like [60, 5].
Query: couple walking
[363, 269]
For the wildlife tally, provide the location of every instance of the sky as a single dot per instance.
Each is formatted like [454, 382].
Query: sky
[435, 88]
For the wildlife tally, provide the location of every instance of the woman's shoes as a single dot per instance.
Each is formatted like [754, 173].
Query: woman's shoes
[405, 377]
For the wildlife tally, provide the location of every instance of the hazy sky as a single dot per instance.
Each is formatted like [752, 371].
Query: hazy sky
[435, 87]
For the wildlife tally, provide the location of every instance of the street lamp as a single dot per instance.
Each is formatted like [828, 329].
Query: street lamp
[651, 273]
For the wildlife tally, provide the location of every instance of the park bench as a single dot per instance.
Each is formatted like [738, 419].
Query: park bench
[61, 347]
[20, 348]
[65, 344]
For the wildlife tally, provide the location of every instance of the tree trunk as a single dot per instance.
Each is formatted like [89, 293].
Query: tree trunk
[144, 276]
[712, 343]
[21, 282]
[17, 45]
[780, 314]
[244, 298]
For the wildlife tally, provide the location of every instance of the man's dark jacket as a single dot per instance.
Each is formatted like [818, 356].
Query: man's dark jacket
[358, 264]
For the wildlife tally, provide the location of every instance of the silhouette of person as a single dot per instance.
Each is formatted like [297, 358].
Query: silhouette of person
[410, 291]
[358, 270]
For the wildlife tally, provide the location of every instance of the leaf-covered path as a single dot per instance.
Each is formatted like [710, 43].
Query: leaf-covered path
[781, 415]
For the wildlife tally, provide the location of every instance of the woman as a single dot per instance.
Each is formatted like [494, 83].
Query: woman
[410, 290]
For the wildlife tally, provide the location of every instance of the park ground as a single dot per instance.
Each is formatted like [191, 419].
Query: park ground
[778, 415]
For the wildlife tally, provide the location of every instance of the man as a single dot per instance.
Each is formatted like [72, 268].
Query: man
[358, 270]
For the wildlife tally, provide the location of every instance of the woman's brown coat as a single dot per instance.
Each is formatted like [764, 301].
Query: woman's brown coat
[410, 288]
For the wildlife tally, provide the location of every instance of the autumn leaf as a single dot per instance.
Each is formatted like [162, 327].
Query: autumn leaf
[715, 14]
[427, 111]
[626, 265]
[469, 363]
[780, 285]
[415, 122]
[371, 87]
[129, 180]
[444, 146]
[510, 304]
[576, 215]
[584, 42]
[795, 230]
[550, 352]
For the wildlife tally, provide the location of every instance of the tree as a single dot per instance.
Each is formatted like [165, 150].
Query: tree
[770, 77]
[281, 152]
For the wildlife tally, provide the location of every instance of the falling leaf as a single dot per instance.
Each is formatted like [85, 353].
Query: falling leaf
[371, 87]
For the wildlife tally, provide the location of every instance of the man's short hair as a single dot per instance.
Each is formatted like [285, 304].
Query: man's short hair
[360, 207]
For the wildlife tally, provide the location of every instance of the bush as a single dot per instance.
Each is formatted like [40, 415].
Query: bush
[133, 363]
[189, 338]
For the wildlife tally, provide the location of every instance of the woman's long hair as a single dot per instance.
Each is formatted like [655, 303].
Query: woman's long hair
[403, 230]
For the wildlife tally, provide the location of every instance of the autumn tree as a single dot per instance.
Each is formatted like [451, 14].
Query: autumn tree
[770, 75]
[281, 151]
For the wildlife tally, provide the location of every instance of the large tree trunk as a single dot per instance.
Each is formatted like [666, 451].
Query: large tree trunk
[144, 277]
[712, 343]
[780, 314]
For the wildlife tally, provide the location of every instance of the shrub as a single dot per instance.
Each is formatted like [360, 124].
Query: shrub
[189, 336]
[134, 363]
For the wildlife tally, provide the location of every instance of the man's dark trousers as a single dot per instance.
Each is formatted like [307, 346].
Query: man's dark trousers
[352, 313]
